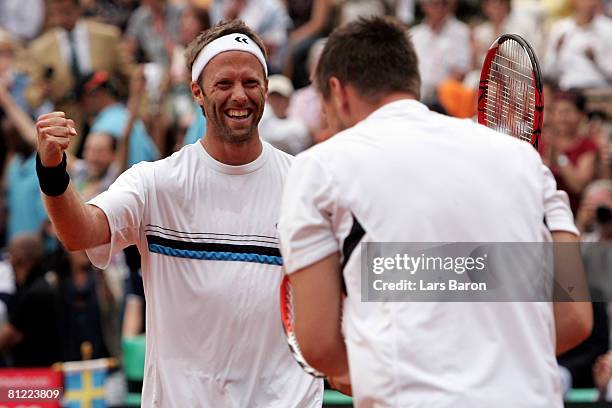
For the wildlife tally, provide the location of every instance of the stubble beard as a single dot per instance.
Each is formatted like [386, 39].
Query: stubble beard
[223, 131]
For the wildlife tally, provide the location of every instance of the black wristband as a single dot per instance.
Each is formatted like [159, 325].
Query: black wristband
[53, 180]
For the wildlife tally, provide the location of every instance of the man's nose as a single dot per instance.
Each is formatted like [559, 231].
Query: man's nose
[239, 94]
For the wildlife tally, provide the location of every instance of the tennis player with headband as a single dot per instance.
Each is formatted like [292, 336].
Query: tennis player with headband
[204, 221]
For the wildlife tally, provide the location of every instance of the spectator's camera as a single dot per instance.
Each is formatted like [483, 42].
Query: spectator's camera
[603, 215]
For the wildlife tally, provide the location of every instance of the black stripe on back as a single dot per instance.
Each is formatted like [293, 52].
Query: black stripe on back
[350, 243]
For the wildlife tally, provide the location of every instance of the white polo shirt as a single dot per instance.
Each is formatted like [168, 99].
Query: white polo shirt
[211, 267]
[406, 174]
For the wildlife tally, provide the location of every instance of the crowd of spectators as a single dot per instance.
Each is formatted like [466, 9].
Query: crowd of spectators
[117, 68]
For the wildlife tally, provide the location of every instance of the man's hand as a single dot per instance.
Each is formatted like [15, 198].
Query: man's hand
[53, 131]
[602, 372]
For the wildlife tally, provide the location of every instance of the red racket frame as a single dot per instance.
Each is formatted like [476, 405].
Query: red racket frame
[538, 113]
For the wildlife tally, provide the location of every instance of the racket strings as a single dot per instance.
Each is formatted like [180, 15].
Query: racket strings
[510, 101]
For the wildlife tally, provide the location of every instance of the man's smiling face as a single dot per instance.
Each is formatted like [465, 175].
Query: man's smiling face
[234, 87]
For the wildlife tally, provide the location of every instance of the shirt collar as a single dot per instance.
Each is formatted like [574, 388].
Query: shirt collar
[235, 170]
[400, 107]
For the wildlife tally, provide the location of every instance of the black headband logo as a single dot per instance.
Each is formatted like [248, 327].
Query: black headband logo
[241, 40]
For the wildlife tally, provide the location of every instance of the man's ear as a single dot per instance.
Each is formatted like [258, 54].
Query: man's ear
[338, 95]
[197, 93]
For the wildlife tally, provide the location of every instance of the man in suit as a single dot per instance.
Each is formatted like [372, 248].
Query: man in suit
[64, 55]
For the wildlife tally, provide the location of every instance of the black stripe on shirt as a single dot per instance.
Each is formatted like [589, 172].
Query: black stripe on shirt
[211, 233]
[213, 246]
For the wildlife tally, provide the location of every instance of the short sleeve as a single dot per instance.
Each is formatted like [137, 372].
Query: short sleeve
[307, 209]
[124, 204]
[557, 210]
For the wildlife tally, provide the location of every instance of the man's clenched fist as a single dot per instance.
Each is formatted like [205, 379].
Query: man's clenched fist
[54, 131]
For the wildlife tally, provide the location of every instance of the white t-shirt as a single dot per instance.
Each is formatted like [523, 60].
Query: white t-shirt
[406, 174]
[441, 52]
[207, 235]
[570, 64]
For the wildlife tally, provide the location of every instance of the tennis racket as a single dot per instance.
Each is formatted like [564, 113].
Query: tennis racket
[510, 98]
[288, 319]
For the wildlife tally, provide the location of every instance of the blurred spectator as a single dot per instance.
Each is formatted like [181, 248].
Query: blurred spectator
[110, 116]
[549, 89]
[578, 52]
[193, 21]
[287, 134]
[600, 131]
[32, 335]
[442, 44]
[305, 104]
[26, 212]
[311, 20]
[61, 57]
[350, 10]
[196, 129]
[180, 105]
[580, 360]
[7, 290]
[456, 98]
[541, 13]
[268, 18]
[22, 18]
[404, 10]
[90, 311]
[114, 12]
[556, 9]
[97, 171]
[11, 77]
[594, 218]
[500, 20]
[569, 153]
[153, 31]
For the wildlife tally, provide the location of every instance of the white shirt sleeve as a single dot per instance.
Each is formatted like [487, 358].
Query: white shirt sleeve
[124, 204]
[557, 210]
[307, 210]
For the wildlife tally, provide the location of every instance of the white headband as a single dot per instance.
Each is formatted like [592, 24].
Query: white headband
[230, 42]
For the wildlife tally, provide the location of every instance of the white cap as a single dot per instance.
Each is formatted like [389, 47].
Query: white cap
[280, 84]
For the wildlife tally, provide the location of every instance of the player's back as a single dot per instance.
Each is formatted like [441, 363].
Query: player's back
[409, 175]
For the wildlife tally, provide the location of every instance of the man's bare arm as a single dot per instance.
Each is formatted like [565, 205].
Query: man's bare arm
[318, 307]
[78, 225]
[573, 320]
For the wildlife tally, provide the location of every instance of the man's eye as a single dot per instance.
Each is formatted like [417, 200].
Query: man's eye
[224, 84]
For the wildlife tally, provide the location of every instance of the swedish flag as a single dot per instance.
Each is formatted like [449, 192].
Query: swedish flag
[84, 383]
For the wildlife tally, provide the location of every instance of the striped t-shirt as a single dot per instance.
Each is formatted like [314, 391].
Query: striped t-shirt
[211, 268]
